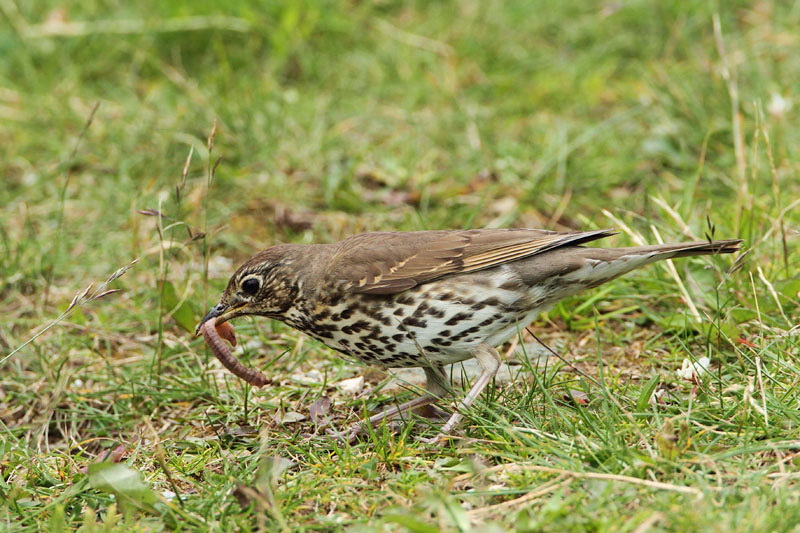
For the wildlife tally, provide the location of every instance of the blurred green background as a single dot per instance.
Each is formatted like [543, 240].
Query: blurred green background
[593, 105]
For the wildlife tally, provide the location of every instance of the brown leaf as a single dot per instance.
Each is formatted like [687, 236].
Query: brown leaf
[285, 218]
[577, 397]
[114, 456]
[395, 198]
[117, 454]
[480, 180]
[319, 410]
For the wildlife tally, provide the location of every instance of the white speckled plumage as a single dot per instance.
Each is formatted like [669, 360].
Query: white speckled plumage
[430, 298]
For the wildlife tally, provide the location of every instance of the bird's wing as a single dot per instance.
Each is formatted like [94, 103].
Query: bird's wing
[391, 262]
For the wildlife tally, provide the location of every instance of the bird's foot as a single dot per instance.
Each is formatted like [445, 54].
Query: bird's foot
[431, 412]
[342, 436]
[359, 429]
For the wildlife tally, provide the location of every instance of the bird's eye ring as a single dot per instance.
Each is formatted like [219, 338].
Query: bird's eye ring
[251, 286]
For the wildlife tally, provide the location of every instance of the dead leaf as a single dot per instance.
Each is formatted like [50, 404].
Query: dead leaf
[392, 197]
[577, 397]
[351, 386]
[114, 456]
[241, 431]
[286, 218]
[319, 410]
[289, 417]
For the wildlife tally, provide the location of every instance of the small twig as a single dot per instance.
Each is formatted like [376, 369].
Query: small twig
[551, 486]
[758, 354]
[776, 193]
[182, 183]
[134, 26]
[649, 522]
[635, 237]
[417, 41]
[210, 172]
[774, 294]
[84, 130]
[685, 229]
[14, 16]
[162, 462]
[660, 485]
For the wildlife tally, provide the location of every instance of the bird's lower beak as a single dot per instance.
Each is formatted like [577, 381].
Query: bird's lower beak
[216, 311]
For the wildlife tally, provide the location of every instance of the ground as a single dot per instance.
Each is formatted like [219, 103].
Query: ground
[148, 148]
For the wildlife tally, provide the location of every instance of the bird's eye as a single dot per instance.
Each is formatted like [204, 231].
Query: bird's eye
[250, 286]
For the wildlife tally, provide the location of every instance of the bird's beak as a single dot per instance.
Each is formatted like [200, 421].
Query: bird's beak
[217, 311]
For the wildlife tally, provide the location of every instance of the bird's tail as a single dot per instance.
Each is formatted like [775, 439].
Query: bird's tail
[583, 267]
[605, 264]
[686, 249]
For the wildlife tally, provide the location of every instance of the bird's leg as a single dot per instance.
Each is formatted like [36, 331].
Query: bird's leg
[436, 387]
[489, 362]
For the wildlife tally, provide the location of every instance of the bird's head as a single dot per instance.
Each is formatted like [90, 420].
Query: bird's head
[265, 285]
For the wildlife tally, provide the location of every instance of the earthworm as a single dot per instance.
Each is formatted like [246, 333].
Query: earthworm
[211, 332]
[225, 331]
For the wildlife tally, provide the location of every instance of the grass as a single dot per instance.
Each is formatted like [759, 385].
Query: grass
[672, 120]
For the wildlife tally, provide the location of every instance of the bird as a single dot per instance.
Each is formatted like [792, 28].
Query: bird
[430, 298]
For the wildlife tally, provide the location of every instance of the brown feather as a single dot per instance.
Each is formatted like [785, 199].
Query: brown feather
[391, 262]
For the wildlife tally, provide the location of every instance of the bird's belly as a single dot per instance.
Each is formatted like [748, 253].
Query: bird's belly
[437, 323]
[437, 343]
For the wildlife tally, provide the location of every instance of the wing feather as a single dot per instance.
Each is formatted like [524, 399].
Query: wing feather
[391, 262]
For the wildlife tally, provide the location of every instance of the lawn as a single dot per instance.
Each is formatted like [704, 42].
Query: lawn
[148, 148]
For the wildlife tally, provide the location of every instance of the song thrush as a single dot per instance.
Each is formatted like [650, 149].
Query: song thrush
[429, 298]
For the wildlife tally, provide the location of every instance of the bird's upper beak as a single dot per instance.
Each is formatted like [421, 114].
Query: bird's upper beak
[217, 311]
